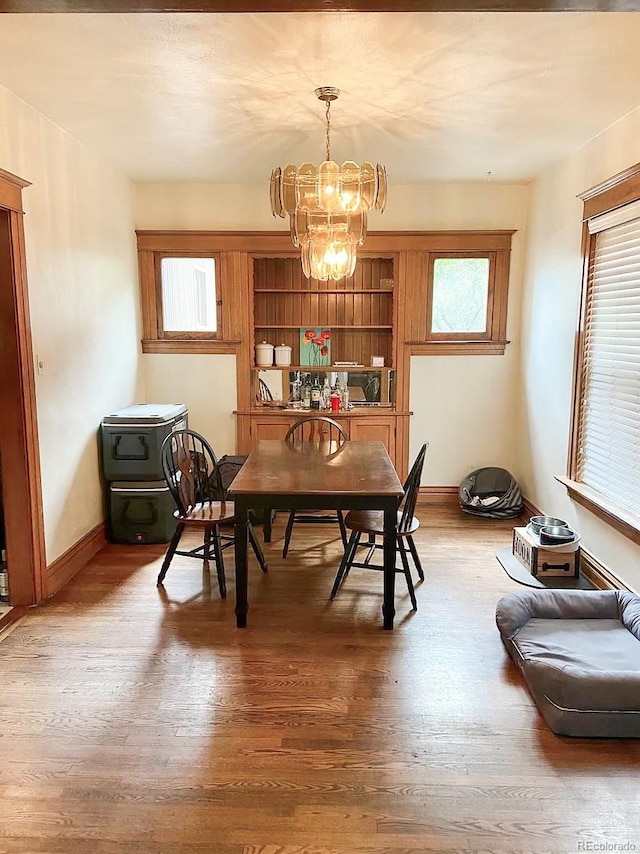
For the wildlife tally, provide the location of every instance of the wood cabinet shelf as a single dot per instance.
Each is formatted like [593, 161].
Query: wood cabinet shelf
[331, 368]
[328, 325]
[360, 313]
[302, 291]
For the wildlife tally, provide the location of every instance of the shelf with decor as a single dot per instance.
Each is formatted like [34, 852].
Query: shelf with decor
[357, 312]
[350, 321]
[368, 387]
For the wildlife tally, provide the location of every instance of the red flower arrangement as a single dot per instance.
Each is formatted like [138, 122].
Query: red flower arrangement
[319, 347]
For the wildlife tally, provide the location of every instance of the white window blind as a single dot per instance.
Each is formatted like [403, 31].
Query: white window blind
[188, 294]
[609, 429]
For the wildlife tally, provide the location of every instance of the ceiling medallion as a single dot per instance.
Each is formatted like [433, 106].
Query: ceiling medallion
[327, 206]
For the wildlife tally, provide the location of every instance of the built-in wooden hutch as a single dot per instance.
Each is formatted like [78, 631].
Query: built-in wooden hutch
[383, 310]
[360, 313]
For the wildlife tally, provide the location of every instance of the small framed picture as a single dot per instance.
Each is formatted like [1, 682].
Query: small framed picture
[315, 346]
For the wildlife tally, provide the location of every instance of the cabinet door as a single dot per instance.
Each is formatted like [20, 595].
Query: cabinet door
[265, 427]
[376, 430]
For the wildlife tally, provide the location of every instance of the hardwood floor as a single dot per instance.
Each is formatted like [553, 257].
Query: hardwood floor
[138, 722]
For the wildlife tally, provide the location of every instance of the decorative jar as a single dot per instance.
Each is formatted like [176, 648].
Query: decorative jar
[283, 354]
[264, 354]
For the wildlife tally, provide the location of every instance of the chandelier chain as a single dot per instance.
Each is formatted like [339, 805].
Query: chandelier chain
[328, 121]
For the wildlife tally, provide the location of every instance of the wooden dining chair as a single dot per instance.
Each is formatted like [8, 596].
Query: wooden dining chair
[371, 522]
[328, 436]
[191, 471]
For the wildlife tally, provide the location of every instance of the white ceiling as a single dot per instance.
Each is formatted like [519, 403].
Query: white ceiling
[226, 97]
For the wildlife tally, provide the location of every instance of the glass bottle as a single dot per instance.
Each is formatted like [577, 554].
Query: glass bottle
[325, 398]
[315, 393]
[345, 398]
[306, 392]
[4, 580]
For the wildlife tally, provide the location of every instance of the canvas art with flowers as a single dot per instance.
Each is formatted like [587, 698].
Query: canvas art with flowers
[315, 346]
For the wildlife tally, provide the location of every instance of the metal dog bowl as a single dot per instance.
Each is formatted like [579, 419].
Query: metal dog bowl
[554, 535]
[538, 522]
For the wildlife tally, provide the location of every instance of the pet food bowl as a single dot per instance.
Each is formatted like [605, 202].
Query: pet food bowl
[554, 535]
[538, 522]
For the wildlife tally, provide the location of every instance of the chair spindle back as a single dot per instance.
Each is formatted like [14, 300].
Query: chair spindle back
[411, 487]
[317, 429]
[190, 469]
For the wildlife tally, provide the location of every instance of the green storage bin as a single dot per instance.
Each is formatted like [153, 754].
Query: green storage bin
[141, 512]
[132, 438]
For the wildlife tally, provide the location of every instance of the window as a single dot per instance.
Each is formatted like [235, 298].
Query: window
[188, 291]
[182, 285]
[460, 296]
[604, 464]
[459, 286]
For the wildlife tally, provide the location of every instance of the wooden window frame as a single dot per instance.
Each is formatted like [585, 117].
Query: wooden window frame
[184, 335]
[615, 192]
[462, 337]
[411, 248]
[496, 247]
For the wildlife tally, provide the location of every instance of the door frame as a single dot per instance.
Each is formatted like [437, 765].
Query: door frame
[21, 480]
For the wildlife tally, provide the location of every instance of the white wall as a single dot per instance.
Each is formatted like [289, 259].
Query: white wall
[462, 404]
[549, 319]
[83, 294]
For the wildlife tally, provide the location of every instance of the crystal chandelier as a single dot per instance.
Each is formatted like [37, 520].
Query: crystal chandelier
[327, 206]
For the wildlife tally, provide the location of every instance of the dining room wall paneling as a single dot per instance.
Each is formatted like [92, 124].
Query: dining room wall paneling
[448, 394]
[551, 296]
[83, 297]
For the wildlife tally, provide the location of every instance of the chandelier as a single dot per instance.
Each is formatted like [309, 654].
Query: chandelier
[327, 206]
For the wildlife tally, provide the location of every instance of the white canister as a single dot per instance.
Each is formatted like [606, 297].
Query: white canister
[283, 354]
[264, 354]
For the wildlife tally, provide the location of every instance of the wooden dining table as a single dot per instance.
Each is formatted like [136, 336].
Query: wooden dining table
[317, 476]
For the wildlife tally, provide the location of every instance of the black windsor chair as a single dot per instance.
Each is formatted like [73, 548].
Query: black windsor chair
[371, 522]
[329, 437]
[191, 471]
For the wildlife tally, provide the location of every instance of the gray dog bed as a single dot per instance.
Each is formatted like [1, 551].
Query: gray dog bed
[579, 653]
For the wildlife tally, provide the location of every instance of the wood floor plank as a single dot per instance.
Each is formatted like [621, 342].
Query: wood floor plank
[138, 720]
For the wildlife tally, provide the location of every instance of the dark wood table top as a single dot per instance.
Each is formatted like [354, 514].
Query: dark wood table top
[357, 468]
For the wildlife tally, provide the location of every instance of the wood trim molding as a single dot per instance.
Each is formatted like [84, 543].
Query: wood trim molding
[600, 575]
[190, 345]
[612, 193]
[529, 509]
[75, 558]
[442, 495]
[279, 242]
[24, 523]
[11, 191]
[457, 348]
[239, 6]
[622, 520]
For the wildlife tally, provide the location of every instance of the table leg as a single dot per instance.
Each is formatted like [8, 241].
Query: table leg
[266, 527]
[388, 609]
[241, 536]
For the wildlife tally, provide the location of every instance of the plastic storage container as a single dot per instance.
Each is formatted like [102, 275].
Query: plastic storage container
[132, 438]
[141, 512]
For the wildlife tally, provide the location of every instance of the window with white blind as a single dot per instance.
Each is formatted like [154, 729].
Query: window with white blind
[188, 295]
[608, 443]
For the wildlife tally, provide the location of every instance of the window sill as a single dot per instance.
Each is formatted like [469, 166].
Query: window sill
[622, 520]
[189, 345]
[457, 348]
